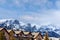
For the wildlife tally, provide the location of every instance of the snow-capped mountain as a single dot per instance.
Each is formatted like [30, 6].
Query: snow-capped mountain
[47, 27]
[14, 23]
[18, 25]
[10, 23]
[53, 30]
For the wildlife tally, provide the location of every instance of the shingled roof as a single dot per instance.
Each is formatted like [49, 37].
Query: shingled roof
[17, 32]
[9, 30]
[26, 33]
[1, 28]
[35, 34]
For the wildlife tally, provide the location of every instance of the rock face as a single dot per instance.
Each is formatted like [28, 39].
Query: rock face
[18, 25]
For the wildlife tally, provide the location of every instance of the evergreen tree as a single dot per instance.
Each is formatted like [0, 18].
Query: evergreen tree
[46, 36]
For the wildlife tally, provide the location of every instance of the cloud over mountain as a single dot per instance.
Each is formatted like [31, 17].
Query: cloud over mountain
[32, 11]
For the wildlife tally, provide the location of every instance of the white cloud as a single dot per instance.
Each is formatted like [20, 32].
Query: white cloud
[43, 18]
[27, 17]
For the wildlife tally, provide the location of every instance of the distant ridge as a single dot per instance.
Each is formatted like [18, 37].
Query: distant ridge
[18, 25]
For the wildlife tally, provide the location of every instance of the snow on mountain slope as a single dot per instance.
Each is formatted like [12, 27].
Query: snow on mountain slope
[57, 31]
[12, 23]
[16, 24]
[49, 27]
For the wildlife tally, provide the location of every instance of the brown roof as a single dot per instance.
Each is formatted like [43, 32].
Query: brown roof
[35, 34]
[4, 29]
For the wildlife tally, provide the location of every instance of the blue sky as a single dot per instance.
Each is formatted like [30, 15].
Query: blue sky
[41, 12]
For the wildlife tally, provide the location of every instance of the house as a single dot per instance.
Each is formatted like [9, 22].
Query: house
[4, 34]
[12, 34]
[17, 36]
[27, 36]
[22, 35]
[37, 36]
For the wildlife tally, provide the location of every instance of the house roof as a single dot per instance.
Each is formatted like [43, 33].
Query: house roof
[9, 30]
[1, 28]
[35, 34]
[17, 32]
[4, 29]
[26, 33]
